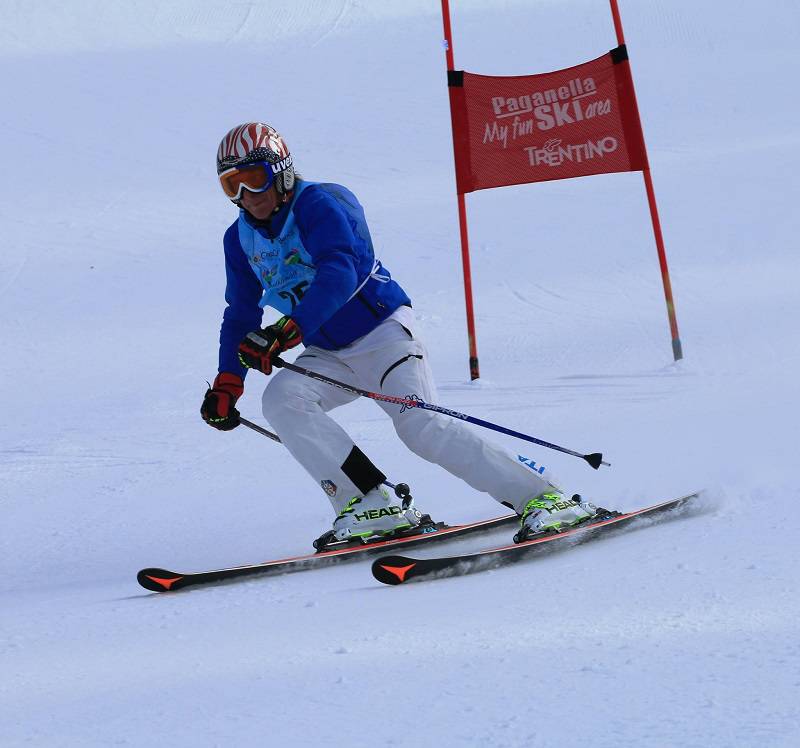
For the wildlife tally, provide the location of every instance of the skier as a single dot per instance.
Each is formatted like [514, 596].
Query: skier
[304, 249]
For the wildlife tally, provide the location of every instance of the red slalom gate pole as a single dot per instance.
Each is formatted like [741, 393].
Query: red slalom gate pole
[677, 350]
[474, 368]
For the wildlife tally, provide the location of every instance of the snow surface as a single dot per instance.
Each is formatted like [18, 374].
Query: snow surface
[682, 634]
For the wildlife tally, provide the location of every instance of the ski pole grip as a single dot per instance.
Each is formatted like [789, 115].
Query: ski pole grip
[277, 361]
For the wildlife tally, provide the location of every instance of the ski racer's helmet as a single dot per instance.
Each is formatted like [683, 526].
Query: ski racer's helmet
[254, 156]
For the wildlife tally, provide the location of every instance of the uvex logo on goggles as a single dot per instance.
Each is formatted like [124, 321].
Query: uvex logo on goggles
[257, 176]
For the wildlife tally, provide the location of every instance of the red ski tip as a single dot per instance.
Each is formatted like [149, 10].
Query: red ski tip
[165, 583]
[399, 571]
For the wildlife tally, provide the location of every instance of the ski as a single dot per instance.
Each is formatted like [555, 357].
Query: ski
[162, 580]
[395, 570]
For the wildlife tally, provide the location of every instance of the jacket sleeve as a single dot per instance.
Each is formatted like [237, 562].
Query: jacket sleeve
[329, 238]
[242, 294]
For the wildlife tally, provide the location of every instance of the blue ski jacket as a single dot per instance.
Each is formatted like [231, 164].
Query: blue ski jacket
[314, 261]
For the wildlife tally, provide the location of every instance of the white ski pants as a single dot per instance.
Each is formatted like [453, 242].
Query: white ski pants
[389, 360]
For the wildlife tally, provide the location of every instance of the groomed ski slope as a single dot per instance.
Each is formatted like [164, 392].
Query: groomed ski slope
[111, 282]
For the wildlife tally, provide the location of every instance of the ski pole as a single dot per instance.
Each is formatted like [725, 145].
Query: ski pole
[402, 490]
[595, 459]
[260, 430]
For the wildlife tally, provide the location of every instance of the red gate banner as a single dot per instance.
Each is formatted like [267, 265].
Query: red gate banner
[534, 128]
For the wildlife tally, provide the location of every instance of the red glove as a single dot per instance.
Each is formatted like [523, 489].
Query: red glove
[218, 408]
[260, 347]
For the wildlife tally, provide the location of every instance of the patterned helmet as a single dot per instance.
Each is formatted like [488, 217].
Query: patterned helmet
[256, 141]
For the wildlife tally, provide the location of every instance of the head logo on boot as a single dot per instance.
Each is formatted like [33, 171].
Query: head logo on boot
[378, 513]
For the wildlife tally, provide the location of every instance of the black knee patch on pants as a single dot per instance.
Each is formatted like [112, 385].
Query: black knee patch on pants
[359, 469]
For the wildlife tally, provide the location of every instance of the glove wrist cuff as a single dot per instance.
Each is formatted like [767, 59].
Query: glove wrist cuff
[231, 383]
[289, 332]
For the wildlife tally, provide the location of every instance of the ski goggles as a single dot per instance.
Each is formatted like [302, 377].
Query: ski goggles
[255, 177]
